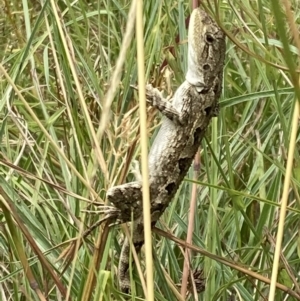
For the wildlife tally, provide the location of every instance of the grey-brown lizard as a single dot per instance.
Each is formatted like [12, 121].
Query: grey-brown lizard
[186, 119]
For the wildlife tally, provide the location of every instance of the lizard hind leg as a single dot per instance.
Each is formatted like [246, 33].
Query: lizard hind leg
[128, 199]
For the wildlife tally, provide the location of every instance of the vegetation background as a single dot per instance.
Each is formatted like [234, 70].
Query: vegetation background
[61, 147]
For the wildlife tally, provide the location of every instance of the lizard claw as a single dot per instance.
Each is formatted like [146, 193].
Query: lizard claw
[110, 212]
[135, 87]
[135, 169]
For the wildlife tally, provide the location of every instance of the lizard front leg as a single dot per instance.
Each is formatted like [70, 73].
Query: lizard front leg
[167, 108]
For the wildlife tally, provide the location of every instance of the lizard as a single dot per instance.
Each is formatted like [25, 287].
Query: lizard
[186, 118]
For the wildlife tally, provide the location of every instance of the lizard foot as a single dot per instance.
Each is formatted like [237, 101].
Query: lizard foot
[153, 95]
[109, 212]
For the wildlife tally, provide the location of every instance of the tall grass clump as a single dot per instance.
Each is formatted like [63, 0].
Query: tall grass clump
[69, 130]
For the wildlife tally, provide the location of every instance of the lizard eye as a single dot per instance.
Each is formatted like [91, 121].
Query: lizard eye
[206, 67]
[209, 38]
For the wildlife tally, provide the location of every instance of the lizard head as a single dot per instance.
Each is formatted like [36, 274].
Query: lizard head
[206, 50]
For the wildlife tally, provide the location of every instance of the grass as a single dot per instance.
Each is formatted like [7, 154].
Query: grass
[65, 140]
